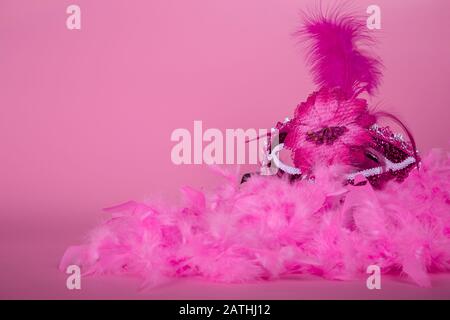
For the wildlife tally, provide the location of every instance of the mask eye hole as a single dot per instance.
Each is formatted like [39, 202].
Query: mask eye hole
[372, 157]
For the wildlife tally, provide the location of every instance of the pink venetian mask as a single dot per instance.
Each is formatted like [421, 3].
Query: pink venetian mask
[334, 126]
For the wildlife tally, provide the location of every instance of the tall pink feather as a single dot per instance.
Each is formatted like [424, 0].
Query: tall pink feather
[336, 54]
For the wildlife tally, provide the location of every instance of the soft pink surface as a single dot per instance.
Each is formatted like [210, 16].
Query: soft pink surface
[86, 117]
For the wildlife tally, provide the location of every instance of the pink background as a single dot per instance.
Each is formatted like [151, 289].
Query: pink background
[86, 116]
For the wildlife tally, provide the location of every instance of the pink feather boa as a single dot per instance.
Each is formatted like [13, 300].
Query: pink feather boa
[268, 228]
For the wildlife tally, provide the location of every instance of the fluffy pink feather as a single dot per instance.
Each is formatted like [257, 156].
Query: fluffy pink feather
[336, 53]
[269, 228]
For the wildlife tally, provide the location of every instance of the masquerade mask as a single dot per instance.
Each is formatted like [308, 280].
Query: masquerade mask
[334, 126]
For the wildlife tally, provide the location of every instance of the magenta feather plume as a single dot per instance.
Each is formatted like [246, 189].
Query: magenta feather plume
[336, 54]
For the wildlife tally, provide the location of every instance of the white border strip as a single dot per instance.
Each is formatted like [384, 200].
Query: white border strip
[390, 166]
